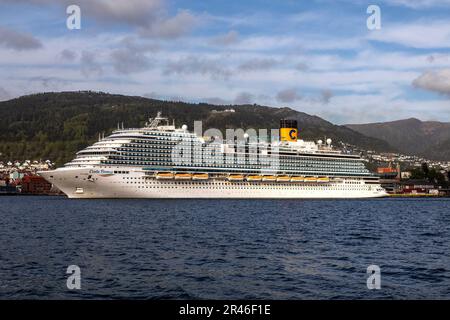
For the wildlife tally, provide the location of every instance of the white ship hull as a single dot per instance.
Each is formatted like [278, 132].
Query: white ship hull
[92, 183]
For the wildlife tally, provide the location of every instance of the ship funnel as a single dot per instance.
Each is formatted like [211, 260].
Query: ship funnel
[288, 130]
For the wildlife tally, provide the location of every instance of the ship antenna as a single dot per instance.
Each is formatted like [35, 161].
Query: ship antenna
[153, 123]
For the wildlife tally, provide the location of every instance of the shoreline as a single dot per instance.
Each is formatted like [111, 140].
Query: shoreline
[386, 197]
[417, 196]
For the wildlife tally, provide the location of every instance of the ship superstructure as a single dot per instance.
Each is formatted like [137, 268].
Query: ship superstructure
[160, 160]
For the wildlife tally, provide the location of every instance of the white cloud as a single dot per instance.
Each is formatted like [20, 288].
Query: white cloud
[4, 94]
[244, 98]
[194, 65]
[416, 35]
[127, 61]
[150, 17]
[288, 95]
[131, 56]
[340, 77]
[419, 4]
[171, 27]
[326, 95]
[19, 41]
[435, 81]
[258, 64]
[68, 55]
[365, 108]
[89, 65]
[230, 38]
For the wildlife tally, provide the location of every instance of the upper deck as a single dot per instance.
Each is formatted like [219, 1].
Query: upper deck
[156, 145]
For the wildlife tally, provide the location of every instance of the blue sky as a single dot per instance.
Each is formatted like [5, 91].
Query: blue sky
[314, 56]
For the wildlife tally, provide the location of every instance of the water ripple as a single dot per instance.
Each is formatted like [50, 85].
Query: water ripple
[224, 249]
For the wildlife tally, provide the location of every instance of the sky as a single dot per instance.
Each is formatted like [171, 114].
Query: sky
[315, 56]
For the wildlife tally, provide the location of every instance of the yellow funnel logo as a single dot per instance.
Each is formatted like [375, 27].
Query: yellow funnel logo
[288, 134]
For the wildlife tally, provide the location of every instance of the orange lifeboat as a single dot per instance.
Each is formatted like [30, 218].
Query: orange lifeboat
[235, 177]
[164, 176]
[254, 178]
[200, 176]
[297, 179]
[183, 176]
[283, 179]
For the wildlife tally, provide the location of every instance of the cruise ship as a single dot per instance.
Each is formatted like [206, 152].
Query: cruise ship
[161, 160]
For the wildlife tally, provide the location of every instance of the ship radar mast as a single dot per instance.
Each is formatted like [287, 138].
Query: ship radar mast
[155, 122]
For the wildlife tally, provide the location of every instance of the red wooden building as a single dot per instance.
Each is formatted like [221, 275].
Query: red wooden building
[35, 185]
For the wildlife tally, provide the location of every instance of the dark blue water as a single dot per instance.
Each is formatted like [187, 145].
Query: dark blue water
[224, 249]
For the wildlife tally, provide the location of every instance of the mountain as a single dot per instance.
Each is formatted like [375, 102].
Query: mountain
[56, 125]
[430, 139]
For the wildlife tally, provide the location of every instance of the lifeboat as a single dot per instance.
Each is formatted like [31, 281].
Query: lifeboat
[183, 176]
[200, 176]
[235, 177]
[104, 173]
[297, 179]
[269, 178]
[323, 179]
[164, 176]
[254, 178]
[283, 179]
[310, 179]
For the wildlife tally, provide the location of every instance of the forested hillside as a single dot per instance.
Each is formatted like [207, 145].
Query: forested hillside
[56, 125]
